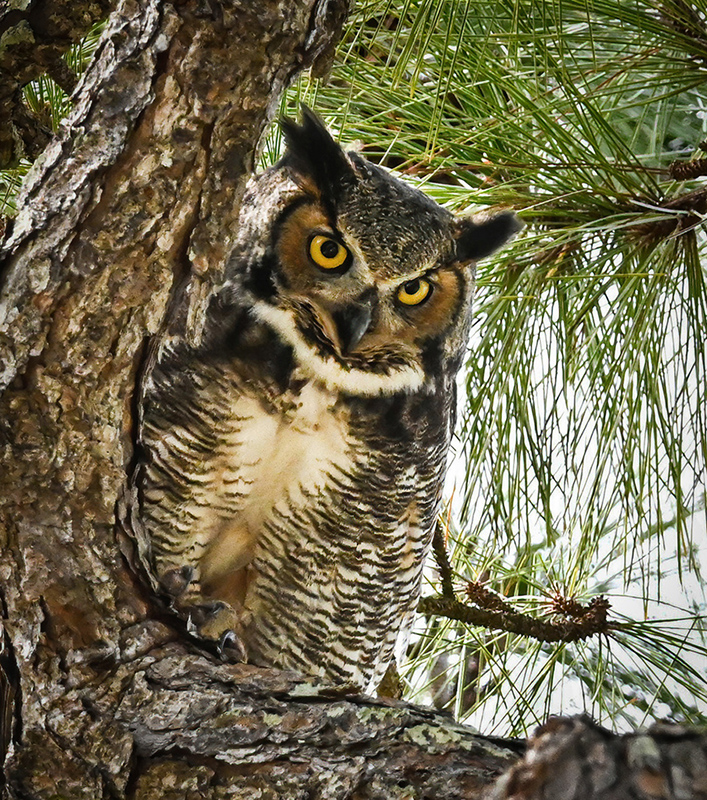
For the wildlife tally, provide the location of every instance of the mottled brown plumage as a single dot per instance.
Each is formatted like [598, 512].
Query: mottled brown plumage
[294, 459]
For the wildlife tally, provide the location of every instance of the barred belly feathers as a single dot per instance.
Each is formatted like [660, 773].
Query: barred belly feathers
[293, 460]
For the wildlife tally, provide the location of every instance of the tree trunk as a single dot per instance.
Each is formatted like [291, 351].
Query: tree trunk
[129, 214]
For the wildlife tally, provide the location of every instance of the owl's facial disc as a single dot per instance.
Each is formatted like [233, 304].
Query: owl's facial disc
[366, 311]
[363, 316]
[314, 337]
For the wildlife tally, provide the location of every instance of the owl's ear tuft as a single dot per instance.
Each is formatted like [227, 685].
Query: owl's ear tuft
[478, 239]
[313, 153]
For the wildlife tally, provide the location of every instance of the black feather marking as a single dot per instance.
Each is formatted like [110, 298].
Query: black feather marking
[313, 153]
[478, 240]
[260, 278]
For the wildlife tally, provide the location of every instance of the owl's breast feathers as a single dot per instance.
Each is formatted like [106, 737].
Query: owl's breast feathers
[310, 508]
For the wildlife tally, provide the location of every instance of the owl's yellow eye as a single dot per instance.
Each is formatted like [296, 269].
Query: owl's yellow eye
[327, 253]
[414, 292]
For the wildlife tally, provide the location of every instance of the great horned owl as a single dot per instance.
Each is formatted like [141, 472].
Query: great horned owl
[294, 459]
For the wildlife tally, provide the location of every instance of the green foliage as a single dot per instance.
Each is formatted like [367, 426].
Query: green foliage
[581, 453]
[10, 183]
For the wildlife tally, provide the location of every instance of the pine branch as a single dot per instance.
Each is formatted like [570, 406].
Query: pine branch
[687, 170]
[692, 204]
[685, 20]
[444, 566]
[592, 622]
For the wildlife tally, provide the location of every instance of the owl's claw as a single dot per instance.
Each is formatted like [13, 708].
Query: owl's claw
[215, 622]
[231, 648]
[175, 582]
[219, 623]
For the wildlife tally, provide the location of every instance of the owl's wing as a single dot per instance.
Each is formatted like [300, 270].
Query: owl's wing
[184, 484]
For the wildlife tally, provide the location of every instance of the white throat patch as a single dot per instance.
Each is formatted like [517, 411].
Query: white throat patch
[328, 370]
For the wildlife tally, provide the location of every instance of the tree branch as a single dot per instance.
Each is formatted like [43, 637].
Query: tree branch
[439, 550]
[575, 759]
[248, 720]
[505, 619]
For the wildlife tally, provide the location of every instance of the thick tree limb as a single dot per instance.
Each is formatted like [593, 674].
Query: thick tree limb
[574, 759]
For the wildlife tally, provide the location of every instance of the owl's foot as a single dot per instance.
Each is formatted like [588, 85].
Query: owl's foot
[175, 582]
[232, 648]
[213, 621]
[220, 623]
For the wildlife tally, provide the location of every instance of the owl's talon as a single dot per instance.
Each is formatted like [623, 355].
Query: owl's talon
[212, 608]
[220, 624]
[231, 648]
[175, 582]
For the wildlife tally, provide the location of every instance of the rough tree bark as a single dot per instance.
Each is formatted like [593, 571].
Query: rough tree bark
[131, 208]
[34, 35]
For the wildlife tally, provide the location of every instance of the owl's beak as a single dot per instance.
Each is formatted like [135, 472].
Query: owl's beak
[354, 320]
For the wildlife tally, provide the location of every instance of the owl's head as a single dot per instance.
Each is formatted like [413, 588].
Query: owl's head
[367, 279]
